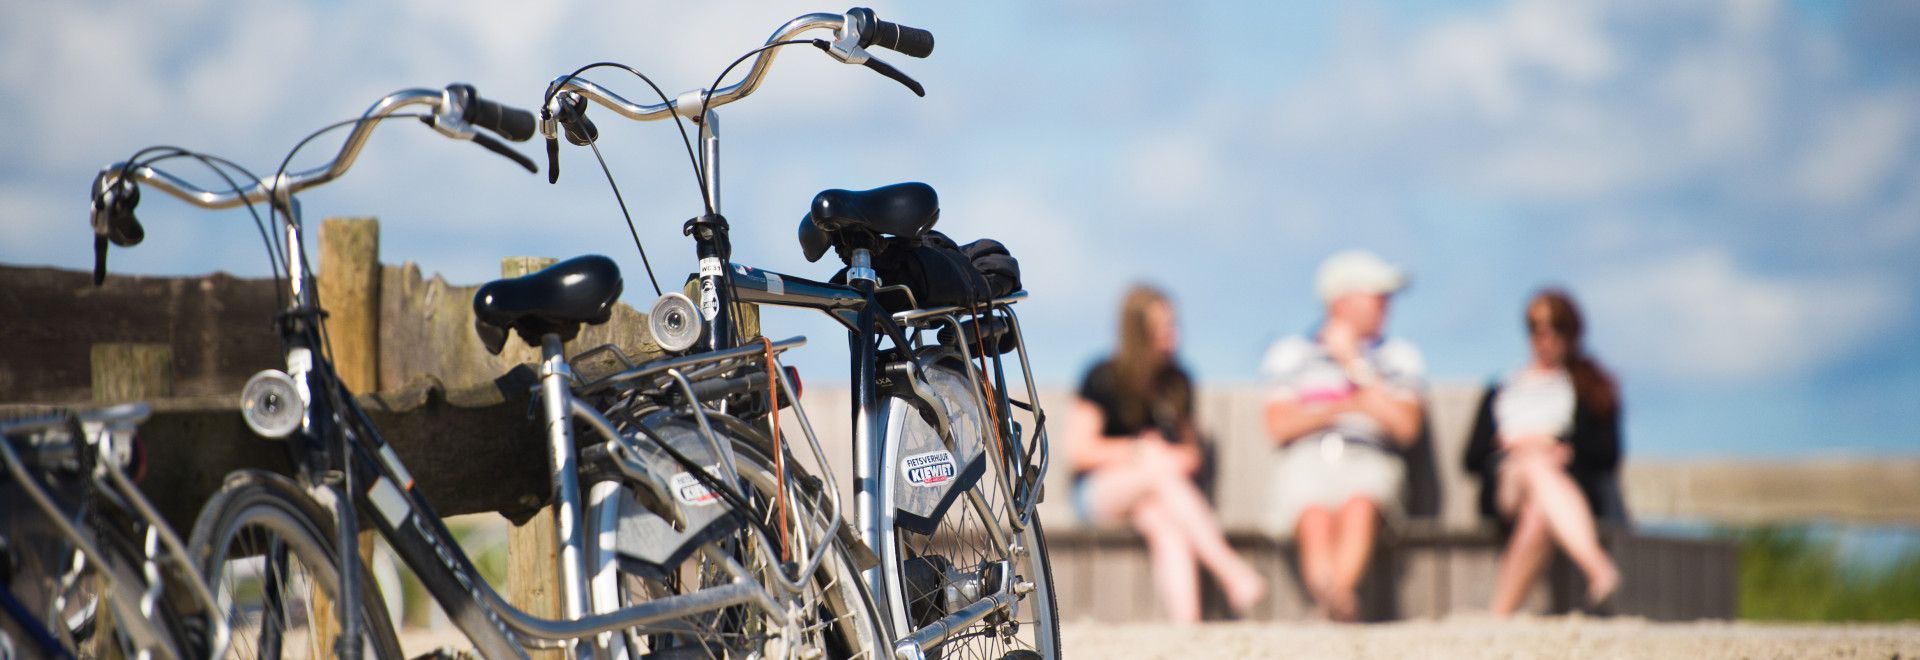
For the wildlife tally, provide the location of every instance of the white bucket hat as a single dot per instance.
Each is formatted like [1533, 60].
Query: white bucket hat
[1357, 271]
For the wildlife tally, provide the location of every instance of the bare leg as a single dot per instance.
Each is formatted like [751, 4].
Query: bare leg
[1314, 534]
[1174, 573]
[1527, 553]
[1549, 489]
[1188, 509]
[1354, 527]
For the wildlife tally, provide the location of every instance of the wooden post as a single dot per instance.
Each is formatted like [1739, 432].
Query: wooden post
[131, 371]
[349, 290]
[533, 558]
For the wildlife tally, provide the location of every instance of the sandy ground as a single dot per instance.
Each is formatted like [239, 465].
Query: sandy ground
[1469, 637]
[1462, 637]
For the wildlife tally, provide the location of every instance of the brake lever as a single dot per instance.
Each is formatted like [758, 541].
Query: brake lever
[498, 147]
[113, 222]
[887, 70]
[99, 260]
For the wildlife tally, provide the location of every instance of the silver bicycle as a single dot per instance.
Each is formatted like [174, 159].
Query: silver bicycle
[91, 570]
[947, 465]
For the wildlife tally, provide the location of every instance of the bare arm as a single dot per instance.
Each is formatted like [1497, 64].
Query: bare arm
[1088, 448]
[1398, 415]
[1288, 419]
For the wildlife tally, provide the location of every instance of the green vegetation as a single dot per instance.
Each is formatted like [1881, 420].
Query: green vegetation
[1787, 575]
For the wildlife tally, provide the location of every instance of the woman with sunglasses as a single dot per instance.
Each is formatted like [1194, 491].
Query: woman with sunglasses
[1546, 444]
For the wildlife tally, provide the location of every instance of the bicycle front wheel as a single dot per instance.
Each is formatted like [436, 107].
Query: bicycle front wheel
[266, 551]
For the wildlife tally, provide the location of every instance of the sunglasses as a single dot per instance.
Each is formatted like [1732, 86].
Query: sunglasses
[1536, 328]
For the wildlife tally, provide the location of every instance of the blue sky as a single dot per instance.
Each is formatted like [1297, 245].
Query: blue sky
[1733, 189]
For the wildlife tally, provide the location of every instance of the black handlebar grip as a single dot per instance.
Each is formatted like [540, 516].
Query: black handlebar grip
[909, 41]
[511, 123]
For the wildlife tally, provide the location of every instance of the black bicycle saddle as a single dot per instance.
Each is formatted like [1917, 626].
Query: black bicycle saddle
[557, 299]
[902, 210]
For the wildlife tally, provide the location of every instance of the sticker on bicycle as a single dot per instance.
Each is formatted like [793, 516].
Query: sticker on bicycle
[929, 469]
[688, 489]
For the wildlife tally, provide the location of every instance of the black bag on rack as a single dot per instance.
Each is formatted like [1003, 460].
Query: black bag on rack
[934, 268]
[996, 264]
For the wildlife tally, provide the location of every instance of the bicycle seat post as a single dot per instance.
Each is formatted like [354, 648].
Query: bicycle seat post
[556, 401]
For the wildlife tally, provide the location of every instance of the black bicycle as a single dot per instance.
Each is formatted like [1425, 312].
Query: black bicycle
[946, 474]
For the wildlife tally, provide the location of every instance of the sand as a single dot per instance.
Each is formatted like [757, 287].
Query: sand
[1483, 637]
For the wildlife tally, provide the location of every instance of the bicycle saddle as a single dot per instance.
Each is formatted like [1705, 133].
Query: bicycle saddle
[902, 210]
[556, 299]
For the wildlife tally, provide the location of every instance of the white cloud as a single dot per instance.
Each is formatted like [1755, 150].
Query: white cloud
[1172, 170]
[1701, 317]
[1858, 147]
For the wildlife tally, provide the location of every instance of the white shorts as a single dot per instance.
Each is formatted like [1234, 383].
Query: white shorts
[1312, 472]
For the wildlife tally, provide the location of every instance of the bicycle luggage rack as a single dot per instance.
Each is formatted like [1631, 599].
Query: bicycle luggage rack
[679, 374]
[1026, 493]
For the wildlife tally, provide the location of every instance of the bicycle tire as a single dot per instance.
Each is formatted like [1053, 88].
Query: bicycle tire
[960, 540]
[842, 597]
[272, 512]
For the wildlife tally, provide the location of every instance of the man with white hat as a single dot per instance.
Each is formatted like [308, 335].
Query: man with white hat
[1343, 403]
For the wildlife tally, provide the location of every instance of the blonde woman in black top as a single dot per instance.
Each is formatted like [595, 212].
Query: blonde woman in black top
[1546, 444]
[1134, 451]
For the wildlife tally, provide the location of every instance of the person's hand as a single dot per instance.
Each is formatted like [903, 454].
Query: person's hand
[1156, 451]
[1341, 341]
[1563, 453]
[1529, 442]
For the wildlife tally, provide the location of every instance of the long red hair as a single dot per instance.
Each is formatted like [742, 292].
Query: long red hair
[1594, 387]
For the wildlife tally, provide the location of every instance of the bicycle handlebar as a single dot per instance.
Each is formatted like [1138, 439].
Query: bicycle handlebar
[457, 110]
[854, 31]
[455, 119]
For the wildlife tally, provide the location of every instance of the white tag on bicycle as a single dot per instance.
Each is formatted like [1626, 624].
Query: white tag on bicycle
[930, 469]
[775, 285]
[688, 489]
[391, 503]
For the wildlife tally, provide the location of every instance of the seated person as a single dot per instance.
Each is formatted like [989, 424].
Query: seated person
[1344, 403]
[1134, 449]
[1545, 444]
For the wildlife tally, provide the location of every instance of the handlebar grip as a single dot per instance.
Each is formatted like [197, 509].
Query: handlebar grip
[909, 41]
[510, 122]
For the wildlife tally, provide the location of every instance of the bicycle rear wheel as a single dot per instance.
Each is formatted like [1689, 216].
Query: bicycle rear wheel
[968, 551]
[835, 618]
[266, 550]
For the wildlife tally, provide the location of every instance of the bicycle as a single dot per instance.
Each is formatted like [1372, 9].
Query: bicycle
[89, 567]
[281, 553]
[930, 428]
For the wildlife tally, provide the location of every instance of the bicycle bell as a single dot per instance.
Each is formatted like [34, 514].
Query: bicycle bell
[271, 404]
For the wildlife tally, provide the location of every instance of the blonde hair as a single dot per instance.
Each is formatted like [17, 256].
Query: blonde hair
[1143, 377]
